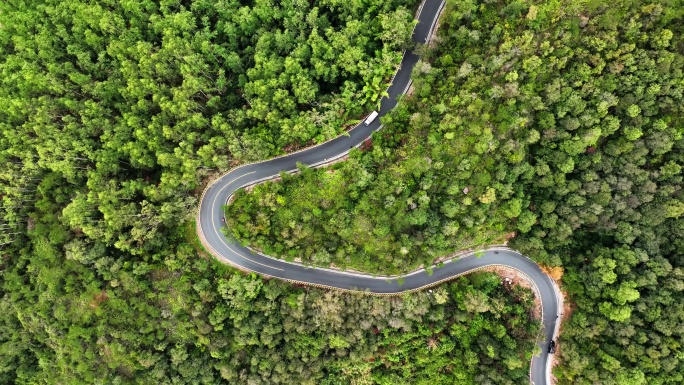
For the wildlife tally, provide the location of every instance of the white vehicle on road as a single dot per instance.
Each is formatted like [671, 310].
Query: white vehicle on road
[370, 118]
[210, 222]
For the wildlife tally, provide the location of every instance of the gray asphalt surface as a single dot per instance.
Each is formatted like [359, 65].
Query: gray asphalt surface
[230, 251]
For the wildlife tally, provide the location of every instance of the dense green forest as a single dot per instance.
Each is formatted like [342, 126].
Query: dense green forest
[490, 128]
[111, 115]
[558, 122]
[132, 104]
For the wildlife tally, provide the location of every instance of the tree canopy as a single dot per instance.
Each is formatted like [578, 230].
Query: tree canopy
[555, 125]
[111, 115]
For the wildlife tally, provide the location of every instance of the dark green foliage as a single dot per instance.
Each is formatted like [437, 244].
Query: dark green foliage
[64, 322]
[111, 112]
[565, 122]
[132, 104]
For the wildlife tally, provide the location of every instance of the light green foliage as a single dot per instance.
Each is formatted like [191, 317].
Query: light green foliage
[112, 112]
[489, 196]
[198, 324]
[571, 113]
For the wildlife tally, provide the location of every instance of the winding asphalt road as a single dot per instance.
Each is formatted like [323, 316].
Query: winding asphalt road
[209, 221]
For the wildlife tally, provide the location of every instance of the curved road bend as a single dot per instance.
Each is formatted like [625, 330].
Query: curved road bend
[209, 220]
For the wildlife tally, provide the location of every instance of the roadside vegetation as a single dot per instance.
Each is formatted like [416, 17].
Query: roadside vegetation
[128, 107]
[560, 122]
[112, 113]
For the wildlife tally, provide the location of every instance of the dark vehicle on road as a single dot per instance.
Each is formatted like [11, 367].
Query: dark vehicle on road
[552, 347]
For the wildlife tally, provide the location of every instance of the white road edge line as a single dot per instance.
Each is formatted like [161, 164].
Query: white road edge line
[325, 161]
[220, 236]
